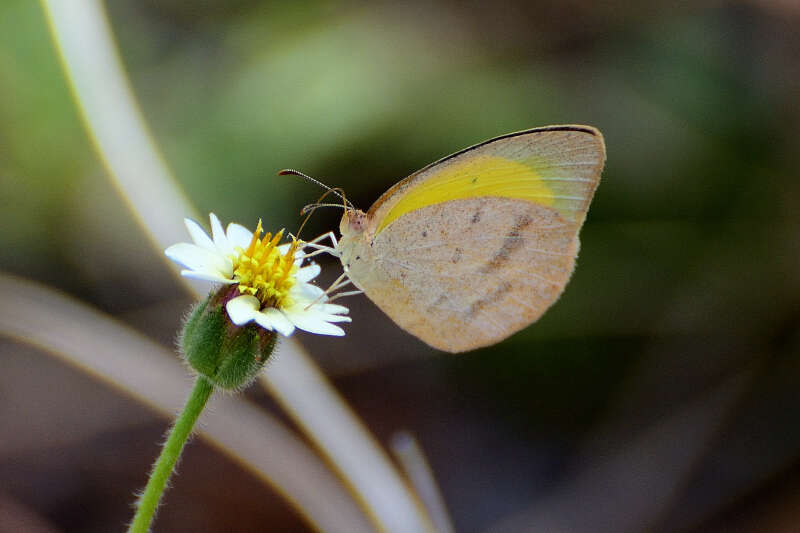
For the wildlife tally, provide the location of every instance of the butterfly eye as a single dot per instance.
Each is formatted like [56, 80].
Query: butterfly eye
[357, 220]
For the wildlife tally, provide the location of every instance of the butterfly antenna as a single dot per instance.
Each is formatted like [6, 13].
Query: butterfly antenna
[335, 190]
[310, 208]
[313, 207]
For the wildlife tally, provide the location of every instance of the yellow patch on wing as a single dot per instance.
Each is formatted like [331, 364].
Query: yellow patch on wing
[474, 177]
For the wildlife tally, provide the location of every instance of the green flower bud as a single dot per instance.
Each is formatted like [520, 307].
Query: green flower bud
[229, 356]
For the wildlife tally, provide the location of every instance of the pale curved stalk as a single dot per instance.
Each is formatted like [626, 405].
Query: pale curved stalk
[143, 369]
[113, 121]
[299, 386]
[412, 459]
[81, 32]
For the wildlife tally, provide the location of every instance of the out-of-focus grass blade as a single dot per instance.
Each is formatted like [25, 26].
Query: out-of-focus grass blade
[81, 32]
[146, 371]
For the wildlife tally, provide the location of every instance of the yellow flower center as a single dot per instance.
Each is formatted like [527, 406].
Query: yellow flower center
[264, 272]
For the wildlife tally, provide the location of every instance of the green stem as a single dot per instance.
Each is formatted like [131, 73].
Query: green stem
[170, 453]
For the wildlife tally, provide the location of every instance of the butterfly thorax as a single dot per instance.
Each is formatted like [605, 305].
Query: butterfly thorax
[354, 247]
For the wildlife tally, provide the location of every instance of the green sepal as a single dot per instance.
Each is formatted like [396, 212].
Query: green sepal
[244, 356]
[202, 338]
[229, 356]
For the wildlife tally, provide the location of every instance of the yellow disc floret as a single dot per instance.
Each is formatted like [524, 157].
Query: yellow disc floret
[264, 272]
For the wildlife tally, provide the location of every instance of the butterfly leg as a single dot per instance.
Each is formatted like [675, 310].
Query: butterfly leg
[321, 248]
[341, 281]
[346, 293]
[330, 235]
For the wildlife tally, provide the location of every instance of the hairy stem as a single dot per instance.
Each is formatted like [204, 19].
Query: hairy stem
[165, 464]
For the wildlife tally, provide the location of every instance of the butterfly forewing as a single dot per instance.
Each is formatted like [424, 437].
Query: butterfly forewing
[556, 166]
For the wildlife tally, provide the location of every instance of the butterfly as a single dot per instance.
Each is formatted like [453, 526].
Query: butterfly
[478, 245]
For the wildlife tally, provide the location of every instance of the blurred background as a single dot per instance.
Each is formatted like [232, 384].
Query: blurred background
[658, 394]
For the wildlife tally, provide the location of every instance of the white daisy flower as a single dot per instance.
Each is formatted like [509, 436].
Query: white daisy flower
[274, 289]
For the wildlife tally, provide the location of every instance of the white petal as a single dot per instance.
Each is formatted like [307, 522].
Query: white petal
[318, 305]
[331, 309]
[311, 322]
[308, 273]
[207, 276]
[271, 318]
[316, 313]
[307, 292]
[194, 257]
[199, 235]
[332, 318]
[238, 235]
[220, 240]
[183, 253]
[243, 309]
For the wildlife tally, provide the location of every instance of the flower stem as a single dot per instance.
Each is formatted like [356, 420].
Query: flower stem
[148, 502]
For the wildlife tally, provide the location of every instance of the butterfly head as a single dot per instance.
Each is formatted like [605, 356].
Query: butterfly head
[353, 222]
[354, 252]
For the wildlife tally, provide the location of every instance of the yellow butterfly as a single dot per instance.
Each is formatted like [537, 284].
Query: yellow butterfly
[476, 246]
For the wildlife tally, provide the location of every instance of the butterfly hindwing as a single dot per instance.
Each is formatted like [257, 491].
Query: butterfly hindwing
[465, 273]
